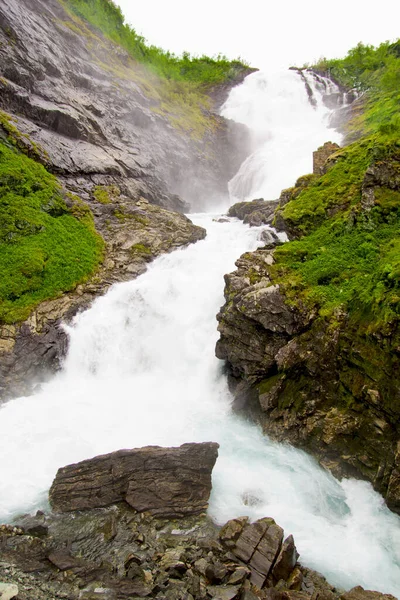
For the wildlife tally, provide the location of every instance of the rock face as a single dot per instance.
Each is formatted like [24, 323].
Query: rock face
[255, 213]
[255, 323]
[105, 127]
[290, 372]
[330, 388]
[115, 553]
[96, 117]
[321, 155]
[168, 482]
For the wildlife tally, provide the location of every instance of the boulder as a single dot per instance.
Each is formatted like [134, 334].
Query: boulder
[259, 546]
[168, 482]
[8, 591]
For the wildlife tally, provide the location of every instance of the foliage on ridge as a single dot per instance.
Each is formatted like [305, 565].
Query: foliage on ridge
[46, 248]
[345, 258]
[203, 71]
[375, 73]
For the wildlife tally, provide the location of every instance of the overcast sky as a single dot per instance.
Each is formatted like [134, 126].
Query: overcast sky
[266, 33]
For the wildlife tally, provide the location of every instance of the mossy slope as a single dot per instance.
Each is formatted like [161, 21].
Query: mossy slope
[46, 247]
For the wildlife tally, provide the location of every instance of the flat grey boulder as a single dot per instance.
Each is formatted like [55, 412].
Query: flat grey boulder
[167, 482]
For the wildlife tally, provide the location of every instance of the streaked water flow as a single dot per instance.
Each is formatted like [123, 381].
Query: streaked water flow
[141, 370]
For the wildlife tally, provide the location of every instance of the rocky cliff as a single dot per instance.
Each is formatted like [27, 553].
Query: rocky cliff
[124, 143]
[310, 329]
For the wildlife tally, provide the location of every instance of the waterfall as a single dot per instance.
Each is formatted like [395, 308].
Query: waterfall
[286, 128]
[141, 370]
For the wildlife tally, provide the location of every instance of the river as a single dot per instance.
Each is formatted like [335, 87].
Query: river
[141, 370]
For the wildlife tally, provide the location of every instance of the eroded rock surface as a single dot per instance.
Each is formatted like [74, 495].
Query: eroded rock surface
[169, 482]
[96, 116]
[115, 553]
[118, 142]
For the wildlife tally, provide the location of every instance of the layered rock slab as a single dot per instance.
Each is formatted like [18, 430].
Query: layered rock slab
[167, 482]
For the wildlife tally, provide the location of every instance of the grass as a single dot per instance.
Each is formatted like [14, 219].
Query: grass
[204, 70]
[344, 259]
[374, 72]
[46, 248]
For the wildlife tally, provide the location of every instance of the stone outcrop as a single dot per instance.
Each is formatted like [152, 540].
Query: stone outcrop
[321, 155]
[168, 482]
[255, 323]
[97, 117]
[322, 390]
[114, 553]
[255, 213]
[111, 132]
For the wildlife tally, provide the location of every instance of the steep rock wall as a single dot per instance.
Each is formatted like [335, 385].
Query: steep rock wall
[328, 384]
[119, 141]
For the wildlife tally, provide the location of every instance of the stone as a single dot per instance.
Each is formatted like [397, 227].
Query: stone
[63, 560]
[286, 560]
[358, 593]
[8, 591]
[231, 531]
[321, 155]
[265, 554]
[222, 592]
[163, 481]
[249, 539]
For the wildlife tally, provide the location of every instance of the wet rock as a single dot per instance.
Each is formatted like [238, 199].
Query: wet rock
[223, 592]
[286, 560]
[358, 593]
[255, 213]
[162, 481]
[8, 591]
[257, 545]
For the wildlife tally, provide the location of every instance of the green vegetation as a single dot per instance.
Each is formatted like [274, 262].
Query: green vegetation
[376, 73]
[105, 194]
[45, 247]
[107, 17]
[345, 258]
[141, 250]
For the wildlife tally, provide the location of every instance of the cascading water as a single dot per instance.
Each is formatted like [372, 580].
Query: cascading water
[141, 370]
[285, 128]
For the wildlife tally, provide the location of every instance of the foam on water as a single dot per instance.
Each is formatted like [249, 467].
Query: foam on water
[141, 370]
[285, 130]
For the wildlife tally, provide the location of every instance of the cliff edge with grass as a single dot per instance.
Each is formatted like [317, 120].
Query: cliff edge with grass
[310, 329]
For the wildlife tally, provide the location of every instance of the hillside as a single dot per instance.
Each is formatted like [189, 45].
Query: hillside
[311, 329]
[92, 141]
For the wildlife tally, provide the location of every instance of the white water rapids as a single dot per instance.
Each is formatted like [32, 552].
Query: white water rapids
[141, 370]
[285, 129]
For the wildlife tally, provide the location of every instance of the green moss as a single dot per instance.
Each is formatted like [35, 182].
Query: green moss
[105, 194]
[348, 257]
[123, 215]
[339, 188]
[375, 72]
[266, 385]
[141, 249]
[45, 247]
[21, 140]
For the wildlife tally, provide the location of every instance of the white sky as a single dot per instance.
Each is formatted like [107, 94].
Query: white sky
[267, 33]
